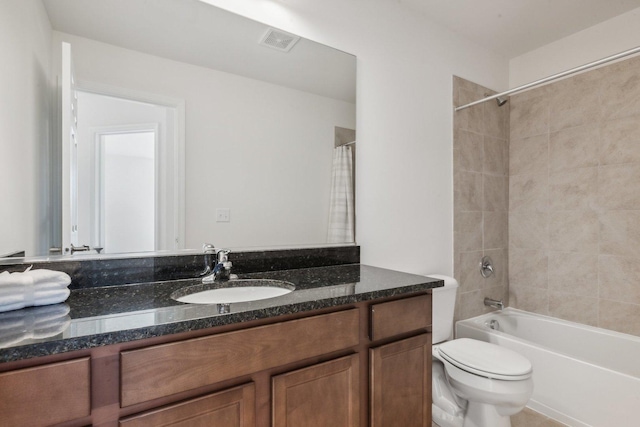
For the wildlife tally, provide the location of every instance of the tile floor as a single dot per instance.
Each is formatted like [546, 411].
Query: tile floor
[529, 418]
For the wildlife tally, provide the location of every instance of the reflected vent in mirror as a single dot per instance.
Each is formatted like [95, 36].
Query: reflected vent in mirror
[278, 40]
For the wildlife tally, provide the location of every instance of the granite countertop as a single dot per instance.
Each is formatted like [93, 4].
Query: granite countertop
[100, 316]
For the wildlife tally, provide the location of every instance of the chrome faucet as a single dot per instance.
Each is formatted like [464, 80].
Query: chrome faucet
[494, 303]
[221, 270]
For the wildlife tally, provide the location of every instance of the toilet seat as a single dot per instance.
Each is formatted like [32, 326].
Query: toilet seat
[485, 359]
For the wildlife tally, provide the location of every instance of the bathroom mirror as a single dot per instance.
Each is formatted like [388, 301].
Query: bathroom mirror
[241, 123]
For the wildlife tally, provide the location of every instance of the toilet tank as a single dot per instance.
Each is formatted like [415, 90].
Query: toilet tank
[443, 302]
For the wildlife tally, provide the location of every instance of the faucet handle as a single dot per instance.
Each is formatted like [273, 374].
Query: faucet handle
[208, 248]
[223, 255]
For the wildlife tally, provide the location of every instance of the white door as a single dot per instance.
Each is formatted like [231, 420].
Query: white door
[69, 129]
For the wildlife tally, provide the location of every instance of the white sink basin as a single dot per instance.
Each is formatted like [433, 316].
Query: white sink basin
[233, 291]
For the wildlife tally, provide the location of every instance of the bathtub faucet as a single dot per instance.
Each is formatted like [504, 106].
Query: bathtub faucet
[494, 303]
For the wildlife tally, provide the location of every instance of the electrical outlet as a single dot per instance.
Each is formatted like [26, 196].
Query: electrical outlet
[223, 215]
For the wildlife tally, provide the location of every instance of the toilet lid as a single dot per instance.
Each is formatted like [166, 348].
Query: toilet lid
[485, 359]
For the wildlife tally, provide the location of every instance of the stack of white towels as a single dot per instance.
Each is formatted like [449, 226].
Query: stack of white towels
[33, 287]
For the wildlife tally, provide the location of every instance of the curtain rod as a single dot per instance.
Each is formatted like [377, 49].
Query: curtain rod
[553, 77]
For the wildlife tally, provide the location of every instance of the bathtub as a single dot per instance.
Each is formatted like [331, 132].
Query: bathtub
[582, 376]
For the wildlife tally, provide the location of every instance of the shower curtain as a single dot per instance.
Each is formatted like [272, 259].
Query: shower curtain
[341, 206]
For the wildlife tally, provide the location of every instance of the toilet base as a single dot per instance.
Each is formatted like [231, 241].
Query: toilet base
[484, 415]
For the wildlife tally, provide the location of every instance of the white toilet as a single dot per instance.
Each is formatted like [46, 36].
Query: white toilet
[475, 383]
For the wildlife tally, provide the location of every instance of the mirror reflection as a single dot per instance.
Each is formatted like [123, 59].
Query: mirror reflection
[130, 126]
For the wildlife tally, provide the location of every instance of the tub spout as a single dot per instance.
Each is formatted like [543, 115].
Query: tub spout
[494, 303]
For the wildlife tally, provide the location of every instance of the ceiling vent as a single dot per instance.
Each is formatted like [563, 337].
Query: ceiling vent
[279, 40]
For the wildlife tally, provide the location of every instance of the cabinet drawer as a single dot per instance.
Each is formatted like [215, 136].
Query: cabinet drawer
[163, 370]
[45, 395]
[401, 316]
[234, 407]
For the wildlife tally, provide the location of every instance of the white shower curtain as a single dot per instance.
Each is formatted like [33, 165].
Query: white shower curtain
[341, 207]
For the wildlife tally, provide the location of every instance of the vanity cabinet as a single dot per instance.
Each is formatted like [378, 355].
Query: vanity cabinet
[401, 383]
[400, 371]
[326, 394]
[355, 365]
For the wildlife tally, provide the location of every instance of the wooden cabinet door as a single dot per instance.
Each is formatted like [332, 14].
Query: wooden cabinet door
[401, 383]
[321, 395]
[229, 408]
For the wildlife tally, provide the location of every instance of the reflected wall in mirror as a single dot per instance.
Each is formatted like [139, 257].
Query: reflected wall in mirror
[253, 128]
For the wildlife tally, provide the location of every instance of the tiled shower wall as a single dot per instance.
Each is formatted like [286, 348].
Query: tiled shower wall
[481, 160]
[574, 198]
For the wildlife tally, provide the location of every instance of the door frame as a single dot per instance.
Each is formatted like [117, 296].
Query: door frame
[177, 155]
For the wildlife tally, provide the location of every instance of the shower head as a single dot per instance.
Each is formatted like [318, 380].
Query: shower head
[500, 100]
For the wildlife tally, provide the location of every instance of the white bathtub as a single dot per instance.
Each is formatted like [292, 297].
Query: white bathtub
[582, 376]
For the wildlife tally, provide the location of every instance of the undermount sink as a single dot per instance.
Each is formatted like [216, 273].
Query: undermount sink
[233, 291]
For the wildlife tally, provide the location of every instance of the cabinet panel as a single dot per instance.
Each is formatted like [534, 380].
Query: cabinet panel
[45, 395]
[401, 316]
[401, 383]
[167, 369]
[229, 408]
[321, 395]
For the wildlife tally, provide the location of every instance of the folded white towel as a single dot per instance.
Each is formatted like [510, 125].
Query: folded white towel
[32, 288]
[51, 297]
[49, 277]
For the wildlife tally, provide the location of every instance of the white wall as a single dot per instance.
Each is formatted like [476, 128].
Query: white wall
[607, 38]
[275, 179]
[404, 118]
[25, 34]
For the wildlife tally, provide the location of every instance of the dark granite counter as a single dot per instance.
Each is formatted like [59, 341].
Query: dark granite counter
[99, 316]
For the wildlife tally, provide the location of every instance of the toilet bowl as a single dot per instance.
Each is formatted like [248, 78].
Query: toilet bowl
[494, 381]
[474, 383]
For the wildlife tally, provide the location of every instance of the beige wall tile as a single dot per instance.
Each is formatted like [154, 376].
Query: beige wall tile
[574, 231]
[620, 141]
[528, 268]
[619, 317]
[574, 148]
[620, 233]
[529, 118]
[496, 193]
[619, 278]
[467, 232]
[618, 187]
[471, 304]
[529, 299]
[529, 155]
[528, 230]
[496, 229]
[460, 83]
[529, 193]
[575, 189]
[496, 156]
[575, 101]
[467, 151]
[573, 307]
[471, 118]
[467, 191]
[468, 271]
[496, 120]
[574, 273]
[621, 93]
